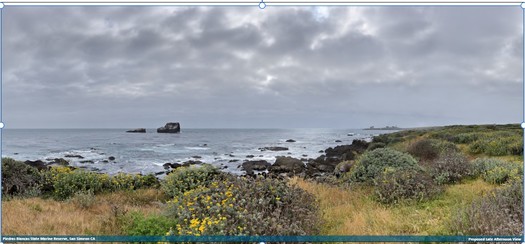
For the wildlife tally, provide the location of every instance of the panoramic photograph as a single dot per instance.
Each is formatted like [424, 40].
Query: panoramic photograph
[282, 121]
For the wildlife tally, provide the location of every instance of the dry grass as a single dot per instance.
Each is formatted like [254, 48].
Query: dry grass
[354, 212]
[36, 216]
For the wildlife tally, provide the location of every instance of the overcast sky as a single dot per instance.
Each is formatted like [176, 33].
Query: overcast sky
[281, 67]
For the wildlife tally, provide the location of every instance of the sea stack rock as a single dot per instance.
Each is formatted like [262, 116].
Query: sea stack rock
[172, 127]
[139, 130]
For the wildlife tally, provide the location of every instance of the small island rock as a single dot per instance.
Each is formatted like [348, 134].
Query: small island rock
[171, 127]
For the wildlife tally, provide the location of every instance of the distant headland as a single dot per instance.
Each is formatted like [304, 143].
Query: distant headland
[384, 128]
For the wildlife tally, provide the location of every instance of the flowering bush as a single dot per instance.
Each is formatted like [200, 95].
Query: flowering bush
[183, 179]
[230, 205]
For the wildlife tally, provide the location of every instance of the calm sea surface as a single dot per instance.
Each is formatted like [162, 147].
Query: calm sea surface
[147, 152]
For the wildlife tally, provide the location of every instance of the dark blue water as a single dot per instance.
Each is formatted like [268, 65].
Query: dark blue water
[147, 152]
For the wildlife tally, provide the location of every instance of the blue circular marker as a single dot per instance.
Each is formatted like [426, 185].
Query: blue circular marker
[1, 125]
[523, 126]
[262, 5]
[523, 6]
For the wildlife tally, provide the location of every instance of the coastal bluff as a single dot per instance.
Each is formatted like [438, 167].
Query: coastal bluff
[171, 127]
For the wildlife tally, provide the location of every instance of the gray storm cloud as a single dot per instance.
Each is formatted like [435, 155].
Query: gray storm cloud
[350, 67]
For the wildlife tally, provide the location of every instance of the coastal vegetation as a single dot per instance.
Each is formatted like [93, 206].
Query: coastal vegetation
[452, 180]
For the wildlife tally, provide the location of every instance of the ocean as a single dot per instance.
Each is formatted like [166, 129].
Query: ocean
[147, 152]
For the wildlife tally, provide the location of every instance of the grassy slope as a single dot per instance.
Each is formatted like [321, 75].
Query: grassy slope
[354, 212]
[49, 217]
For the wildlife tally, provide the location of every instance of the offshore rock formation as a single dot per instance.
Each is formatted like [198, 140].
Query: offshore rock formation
[171, 127]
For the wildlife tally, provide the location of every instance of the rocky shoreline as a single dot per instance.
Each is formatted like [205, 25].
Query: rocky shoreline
[283, 165]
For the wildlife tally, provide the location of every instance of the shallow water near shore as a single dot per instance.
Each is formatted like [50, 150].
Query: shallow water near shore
[147, 152]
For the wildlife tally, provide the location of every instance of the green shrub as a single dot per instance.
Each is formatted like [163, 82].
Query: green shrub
[184, 179]
[496, 171]
[394, 186]
[19, 179]
[136, 224]
[499, 213]
[68, 182]
[469, 137]
[375, 145]
[64, 182]
[231, 205]
[424, 149]
[84, 200]
[373, 163]
[450, 167]
[498, 144]
[123, 181]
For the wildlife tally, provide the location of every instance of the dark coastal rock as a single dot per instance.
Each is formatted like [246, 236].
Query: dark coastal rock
[327, 163]
[347, 152]
[191, 162]
[321, 151]
[172, 127]
[39, 164]
[233, 160]
[86, 162]
[73, 156]
[304, 155]
[290, 140]
[287, 165]
[139, 130]
[338, 141]
[168, 166]
[250, 156]
[59, 161]
[196, 157]
[321, 165]
[250, 166]
[111, 158]
[160, 173]
[273, 149]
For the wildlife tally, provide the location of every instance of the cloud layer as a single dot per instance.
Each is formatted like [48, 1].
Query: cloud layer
[350, 67]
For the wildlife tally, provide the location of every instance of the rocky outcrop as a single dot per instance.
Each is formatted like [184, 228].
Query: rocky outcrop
[169, 166]
[273, 149]
[39, 164]
[327, 163]
[172, 127]
[73, 156]
[191, 162]
[139, 130]
[290, 140]
[58, 161]
[287, 165]
[250, 166]
[347, 152]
